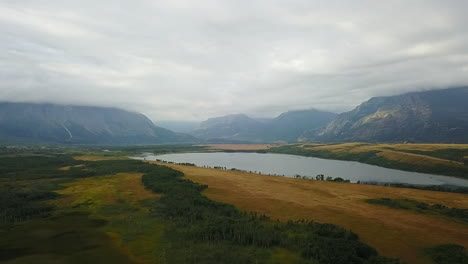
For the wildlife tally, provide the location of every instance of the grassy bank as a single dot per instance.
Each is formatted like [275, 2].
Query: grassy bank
[395, 233]
[443, 159]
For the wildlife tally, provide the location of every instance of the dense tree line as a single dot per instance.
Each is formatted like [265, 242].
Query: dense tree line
[438, 188]
[448, 254]
[408, 204]
[197, 219]
[26, 182]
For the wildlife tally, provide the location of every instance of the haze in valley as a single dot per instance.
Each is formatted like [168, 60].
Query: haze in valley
[191, 60]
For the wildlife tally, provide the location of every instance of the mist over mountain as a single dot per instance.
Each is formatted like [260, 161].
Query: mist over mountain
[233, 127]
[178, 126]
[286, 127]
[291, 125]
[438, 116]
[50, 123]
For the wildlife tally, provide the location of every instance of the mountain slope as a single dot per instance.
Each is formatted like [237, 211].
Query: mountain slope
[438, 116]
[79, 125]
[291, 125]
[233, 127]
[178, 126]
[286, 127]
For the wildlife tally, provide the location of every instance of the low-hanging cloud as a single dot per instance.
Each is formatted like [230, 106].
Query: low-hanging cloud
[189, 60]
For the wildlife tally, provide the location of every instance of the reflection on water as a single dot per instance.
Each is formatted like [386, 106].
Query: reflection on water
[291, 165]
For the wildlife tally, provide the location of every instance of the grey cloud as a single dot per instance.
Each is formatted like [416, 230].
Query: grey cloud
[189, 60]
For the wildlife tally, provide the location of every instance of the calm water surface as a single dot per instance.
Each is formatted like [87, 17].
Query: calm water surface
[290, 165]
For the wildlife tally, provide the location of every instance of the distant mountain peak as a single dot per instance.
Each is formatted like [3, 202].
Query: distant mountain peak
[434, 116]
[286, 127]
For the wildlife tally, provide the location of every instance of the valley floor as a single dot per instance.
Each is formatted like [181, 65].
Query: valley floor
[102, 211]
[393, 232]
[443, 159]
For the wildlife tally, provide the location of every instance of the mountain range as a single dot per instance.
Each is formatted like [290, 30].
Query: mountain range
[51, 123]
[287, 127]
[436, 116]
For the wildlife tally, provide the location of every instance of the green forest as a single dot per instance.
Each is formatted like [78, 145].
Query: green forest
[182, 223]
[196, 229]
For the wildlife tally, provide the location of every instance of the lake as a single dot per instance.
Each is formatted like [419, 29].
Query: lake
[291, 165]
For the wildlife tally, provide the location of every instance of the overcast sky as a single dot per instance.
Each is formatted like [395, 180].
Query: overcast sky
[189, 60]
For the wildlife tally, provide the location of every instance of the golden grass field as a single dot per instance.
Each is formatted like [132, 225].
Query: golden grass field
[417, 159]
[393, 232]
[237, 146]
[363, 147]
[396, 152]
[69, 167]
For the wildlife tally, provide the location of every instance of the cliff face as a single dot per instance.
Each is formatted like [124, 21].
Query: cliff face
[439, 116]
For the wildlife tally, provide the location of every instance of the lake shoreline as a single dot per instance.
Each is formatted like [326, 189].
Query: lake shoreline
[274, 164]
[392, 232]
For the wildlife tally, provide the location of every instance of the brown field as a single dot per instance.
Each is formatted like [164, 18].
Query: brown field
[69, 167]
[238, 146]
[393, 232]
[425, 147]
[336, 147]
[417, 159]
[364, 147]
[307, 145]
[396, 152]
